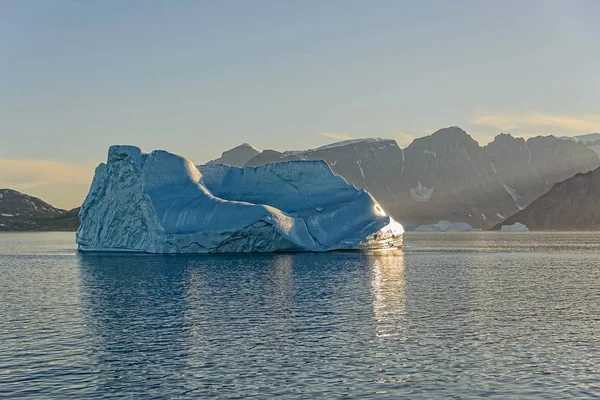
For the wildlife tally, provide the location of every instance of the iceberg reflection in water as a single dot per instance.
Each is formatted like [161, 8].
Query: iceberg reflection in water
[388, 288]
[227, 321]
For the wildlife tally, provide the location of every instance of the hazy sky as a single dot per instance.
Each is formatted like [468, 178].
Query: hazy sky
[199, 77]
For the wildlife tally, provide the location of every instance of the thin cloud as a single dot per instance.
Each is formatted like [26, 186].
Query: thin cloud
[61, 184]
[336, 136]
[19, 173]
[540, 122]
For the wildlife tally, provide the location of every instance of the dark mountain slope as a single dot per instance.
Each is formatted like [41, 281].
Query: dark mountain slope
[573, 204]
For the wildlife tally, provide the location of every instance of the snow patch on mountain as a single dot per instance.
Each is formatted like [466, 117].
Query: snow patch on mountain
[402, 168]
[512, 192]
[421, 193]
[494, 168]
[361, 170]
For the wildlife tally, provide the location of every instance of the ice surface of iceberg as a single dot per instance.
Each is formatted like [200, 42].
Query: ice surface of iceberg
[162, 203]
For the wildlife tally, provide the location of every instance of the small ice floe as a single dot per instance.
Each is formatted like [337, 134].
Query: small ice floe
[516, 227]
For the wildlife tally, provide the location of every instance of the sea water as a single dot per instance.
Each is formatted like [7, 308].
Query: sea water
[452, 315]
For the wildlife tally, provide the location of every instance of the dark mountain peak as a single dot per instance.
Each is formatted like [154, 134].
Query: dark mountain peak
[237, 156]
[507, 137]
[453, 132]
[542, 139]
[505, 141]
[243, 146]
[10, 192]
[447, 140]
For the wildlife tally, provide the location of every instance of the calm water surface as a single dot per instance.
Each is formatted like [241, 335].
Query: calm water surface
[454, 315]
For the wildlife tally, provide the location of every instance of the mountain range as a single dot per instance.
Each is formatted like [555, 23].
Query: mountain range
[448, 175]
[444, 176]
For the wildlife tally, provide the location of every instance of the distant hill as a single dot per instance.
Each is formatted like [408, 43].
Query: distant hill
[448, 175]
[573, 204]
[21, 212]
[237, 156]
[17, 203]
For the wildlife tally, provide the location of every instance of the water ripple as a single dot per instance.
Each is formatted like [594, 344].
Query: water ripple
[474, 315]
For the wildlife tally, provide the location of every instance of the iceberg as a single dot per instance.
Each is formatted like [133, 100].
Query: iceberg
[446, 226]
[427, 228]
[516, 227]
[162, 203]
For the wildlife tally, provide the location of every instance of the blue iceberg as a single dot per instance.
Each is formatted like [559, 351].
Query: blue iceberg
[162, 203]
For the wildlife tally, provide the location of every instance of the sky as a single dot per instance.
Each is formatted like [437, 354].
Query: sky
[199, 77]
